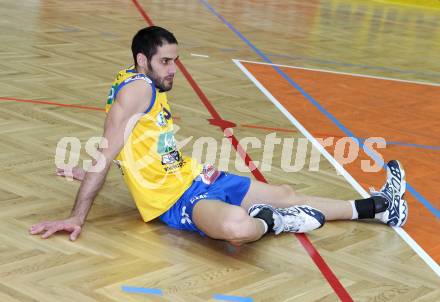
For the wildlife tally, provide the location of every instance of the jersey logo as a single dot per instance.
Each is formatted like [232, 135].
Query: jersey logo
[167, 113]
[185, 217]
[163, 117]
[161, 120]
[171, 158]
[167, 148]
[166, 143]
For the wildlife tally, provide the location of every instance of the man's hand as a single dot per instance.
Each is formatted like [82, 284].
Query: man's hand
[76, 173]
[72, 225]
[130, 102]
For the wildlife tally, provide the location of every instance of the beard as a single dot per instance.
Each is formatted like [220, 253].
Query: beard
[163, 84]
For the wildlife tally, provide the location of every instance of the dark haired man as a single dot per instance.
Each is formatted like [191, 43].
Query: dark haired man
[185, 195]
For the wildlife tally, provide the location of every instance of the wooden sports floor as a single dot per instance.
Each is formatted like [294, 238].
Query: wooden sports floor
[322, 70]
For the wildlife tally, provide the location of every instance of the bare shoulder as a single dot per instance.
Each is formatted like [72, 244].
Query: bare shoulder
[135, 96]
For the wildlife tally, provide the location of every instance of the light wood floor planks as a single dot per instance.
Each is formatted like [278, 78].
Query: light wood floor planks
[68, 53]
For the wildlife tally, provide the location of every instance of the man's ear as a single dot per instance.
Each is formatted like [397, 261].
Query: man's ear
[142, 60]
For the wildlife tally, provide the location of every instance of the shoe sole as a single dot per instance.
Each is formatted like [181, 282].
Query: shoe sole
[312, 217]
[402, 206]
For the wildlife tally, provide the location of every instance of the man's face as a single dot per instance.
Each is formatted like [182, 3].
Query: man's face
[162, 66]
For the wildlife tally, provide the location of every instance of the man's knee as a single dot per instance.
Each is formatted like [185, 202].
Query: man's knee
[287, 191]
[238, 225]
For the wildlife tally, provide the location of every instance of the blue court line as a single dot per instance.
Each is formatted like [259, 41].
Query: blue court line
[345, 64]
[405, 144]
[232, 298]
[411, 189]
[142, 290]
[402, 144]
[414, 145]
[156, 291]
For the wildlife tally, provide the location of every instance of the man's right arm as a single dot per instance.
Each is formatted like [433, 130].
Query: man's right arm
[131, 101]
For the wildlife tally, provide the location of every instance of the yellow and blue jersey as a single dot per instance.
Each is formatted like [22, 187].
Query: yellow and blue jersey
[155, 171]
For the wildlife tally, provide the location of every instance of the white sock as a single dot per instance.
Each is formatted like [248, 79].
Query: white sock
[266, 227]
[354, 214]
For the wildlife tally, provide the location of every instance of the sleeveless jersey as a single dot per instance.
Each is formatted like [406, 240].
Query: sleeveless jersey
[155, 171]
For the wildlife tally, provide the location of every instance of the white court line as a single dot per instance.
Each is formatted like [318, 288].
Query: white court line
[345, 73]
[404, 235]
[198, 55]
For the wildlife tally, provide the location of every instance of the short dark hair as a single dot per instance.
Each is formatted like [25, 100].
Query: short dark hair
[148, 39]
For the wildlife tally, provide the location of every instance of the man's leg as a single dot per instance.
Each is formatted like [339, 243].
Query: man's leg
[284, 196]
[386, 205]
[220, 220]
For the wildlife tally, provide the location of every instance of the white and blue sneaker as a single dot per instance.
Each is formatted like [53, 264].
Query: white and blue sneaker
[396, 208]
[295, 219]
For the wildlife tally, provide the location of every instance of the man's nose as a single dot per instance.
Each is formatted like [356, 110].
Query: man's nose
[172, 69]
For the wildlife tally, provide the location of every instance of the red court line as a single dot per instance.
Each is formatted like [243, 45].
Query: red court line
[311, 250]
[269, 128]
[51, 103]
[216, 121]
[315, 134]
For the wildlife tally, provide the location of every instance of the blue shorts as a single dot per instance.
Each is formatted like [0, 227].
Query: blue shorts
[227, 187]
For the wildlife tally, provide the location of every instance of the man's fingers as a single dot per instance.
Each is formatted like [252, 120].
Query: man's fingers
[75, 233]
[48, 233]
[37, 228]
[53, 229]
[75, 173]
